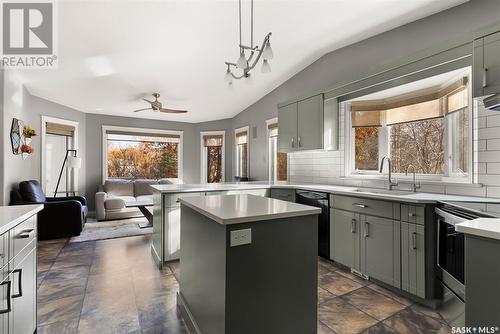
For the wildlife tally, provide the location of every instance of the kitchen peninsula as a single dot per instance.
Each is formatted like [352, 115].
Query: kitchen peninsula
[251, 253]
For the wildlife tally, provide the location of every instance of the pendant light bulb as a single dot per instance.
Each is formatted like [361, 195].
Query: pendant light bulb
[267, 54]
[266, 68]
[242, 61]
[228, 77]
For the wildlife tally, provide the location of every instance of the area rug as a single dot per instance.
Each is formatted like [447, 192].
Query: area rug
[94, 230]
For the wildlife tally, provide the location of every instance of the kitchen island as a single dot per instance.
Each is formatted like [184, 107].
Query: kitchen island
[248, 265]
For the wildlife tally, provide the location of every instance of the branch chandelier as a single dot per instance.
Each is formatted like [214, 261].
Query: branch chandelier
[255, 53]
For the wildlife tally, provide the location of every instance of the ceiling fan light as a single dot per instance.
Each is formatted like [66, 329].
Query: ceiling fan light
[267, 53]
[228, 77]
[266, 68]
[242, 61]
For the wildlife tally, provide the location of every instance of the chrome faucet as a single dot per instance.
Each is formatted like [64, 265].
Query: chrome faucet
[415, 184]
[391, 184]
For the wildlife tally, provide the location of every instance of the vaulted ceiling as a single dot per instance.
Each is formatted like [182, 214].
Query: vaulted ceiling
[112, 53]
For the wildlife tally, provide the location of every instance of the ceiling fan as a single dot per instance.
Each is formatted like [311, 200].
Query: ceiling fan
[157, 106]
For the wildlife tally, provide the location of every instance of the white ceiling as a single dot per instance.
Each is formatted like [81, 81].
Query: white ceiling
[112, 53]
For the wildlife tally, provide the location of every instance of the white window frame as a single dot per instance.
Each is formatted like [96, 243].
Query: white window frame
[104, 146]
[203, 154]
[273, 120]
[384, 149]
[238, 130]
[75, 124]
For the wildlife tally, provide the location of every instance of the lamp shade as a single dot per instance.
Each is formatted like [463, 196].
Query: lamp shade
[74, 162]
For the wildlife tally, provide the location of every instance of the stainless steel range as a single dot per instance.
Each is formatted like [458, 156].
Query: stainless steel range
[451, 254]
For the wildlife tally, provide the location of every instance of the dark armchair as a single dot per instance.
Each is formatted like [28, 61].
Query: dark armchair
[61, 216]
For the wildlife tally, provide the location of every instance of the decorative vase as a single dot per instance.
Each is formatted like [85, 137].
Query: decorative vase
[25, 155]
[27, 141]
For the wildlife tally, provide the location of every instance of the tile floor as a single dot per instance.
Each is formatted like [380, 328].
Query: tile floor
[113, 286]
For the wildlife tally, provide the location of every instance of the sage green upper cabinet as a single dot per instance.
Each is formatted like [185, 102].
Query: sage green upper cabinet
[287, 122]
[310, 123]
[380, 249]
[301, 125]
[487, 65]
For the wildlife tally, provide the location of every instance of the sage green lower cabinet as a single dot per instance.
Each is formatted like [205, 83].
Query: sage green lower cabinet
[23, 291]
[380, 249]
[344, 245]
[413, 259]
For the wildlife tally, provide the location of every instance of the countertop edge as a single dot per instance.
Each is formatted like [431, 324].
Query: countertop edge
[249, 219]
[474, 228]
[31, 212]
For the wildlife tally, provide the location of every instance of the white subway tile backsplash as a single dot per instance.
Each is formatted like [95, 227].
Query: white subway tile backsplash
[493, 144]
[489, 156]
[493, 121]
[490, 180]
[489, 133]
[492, 168]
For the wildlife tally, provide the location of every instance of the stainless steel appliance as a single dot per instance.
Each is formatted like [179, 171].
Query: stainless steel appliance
[320, 200]
[451, 255]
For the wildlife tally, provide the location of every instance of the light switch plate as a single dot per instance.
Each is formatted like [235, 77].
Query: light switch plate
[240, 237]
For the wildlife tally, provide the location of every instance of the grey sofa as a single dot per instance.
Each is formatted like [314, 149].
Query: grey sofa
[113, 194]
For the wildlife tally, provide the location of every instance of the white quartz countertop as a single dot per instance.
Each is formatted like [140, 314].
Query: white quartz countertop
[244, 208]
[481, 227]
[394, 195]
[10, 216]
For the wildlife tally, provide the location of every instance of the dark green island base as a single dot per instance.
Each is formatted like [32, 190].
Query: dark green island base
[266, 286]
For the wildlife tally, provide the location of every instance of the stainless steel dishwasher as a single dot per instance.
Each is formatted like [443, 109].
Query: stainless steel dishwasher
[322, 201]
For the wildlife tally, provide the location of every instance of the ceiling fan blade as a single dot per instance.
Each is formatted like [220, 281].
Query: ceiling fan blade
[142, 109]
[173, 111]
[148, 100]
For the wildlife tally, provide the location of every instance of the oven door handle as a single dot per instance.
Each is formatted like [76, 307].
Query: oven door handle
[449, 218]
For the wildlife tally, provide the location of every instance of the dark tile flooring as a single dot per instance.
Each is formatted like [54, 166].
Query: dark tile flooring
[113, 286]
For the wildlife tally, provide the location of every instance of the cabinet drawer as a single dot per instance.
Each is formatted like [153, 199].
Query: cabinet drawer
[412, 214]
[365, 206]
[283, 194]
[22, 235]
[22, 254]
[172, 200]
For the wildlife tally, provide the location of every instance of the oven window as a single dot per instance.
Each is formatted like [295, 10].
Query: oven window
[451, 251]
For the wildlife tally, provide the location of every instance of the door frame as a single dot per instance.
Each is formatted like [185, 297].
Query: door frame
[75, 124]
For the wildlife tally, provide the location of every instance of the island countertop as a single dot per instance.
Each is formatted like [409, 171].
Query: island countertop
[481, 227]
[11, 216]
[244, 208]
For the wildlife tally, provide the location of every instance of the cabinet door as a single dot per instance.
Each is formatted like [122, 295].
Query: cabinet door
[310, 123]
[413, 259]
[5, 303]
[344, 238]
[24, 295]
[380, 249]
[287, 128]
[492, 63]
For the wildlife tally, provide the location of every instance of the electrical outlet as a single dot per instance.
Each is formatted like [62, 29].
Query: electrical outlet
[240, 237]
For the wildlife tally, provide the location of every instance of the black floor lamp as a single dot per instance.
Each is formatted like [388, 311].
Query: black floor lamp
[73, 162]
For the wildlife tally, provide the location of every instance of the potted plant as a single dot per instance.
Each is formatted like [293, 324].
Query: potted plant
[28, 133]
[26, 150]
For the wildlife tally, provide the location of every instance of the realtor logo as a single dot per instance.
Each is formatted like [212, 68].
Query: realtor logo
[28, 35]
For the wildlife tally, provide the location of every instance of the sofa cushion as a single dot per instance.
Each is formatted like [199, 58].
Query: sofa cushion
[114, 203]
[142, 187]
[32, 192]
[119, 188]
[145, 198]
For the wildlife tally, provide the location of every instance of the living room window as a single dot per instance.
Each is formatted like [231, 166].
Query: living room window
[135, 153]
[212, 156]
[427, 129]
[241, 140]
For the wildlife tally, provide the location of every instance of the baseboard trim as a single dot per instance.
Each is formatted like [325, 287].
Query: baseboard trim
[186, 315]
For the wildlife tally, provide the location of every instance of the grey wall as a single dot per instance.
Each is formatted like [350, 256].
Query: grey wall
[362, 59]
[18, 103]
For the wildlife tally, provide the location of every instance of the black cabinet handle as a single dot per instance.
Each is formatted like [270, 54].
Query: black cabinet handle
[353, 226]
[360, 205]
[19, 283]
[367, 229]
[414, 240]
[9, 308]
[25, 234]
